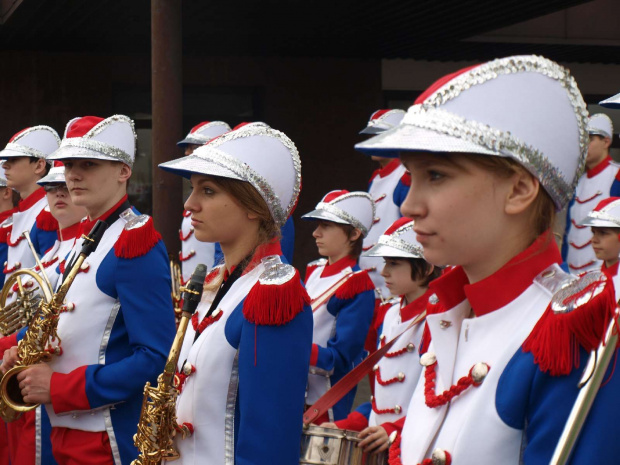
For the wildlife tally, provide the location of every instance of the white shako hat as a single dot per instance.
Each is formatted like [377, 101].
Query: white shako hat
[340, 206]
[258, 154]
[527, 108]
[382, 120]
[605, 215]
[37, 141]
[611, 102]
[398, 241]
[56, 175]
[600, 124]
[204, 132]
[112, 138]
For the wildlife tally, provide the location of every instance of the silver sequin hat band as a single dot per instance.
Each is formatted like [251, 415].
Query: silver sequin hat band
[90, 146]
[216, 159]
[392, 245]
[431, 127]
[56, 175]
[22, 145]
[330, 211]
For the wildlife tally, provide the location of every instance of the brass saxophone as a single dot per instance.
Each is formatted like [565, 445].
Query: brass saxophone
[158, 420]
[35, 347]
[177, 286]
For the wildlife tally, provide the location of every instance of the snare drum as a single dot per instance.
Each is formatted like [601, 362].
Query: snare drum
[328, 446]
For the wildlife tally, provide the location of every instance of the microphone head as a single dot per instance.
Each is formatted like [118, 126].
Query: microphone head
[193, 292]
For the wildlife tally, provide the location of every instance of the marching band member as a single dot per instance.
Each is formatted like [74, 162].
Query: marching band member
[119, 322]
[30, 434]
[193, 251]
[388, 188]
[597, 183]
[493, 150]
[407, 275]
[8, 204]
[342, 294]
[246, 357]
[24, 164]
[604, 222]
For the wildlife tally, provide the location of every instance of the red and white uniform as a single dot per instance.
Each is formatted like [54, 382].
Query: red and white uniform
[517, 412]
[388, 191]
[595, 185]
[25, 219]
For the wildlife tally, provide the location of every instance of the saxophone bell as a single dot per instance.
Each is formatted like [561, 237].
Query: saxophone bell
[158, 420]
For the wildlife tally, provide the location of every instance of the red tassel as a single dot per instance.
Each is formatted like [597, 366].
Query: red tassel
[138, 241]
[359, 282]
[46, 222]
[275, 304]
[556, 338]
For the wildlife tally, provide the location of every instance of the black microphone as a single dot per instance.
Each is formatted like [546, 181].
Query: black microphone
[193, 290]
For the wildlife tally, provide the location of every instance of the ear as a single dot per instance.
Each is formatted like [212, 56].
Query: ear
[522, 192]
[251, 215]
[607, 142]
[355, 235]
[124, 173]
[39, 167]
[7, 193]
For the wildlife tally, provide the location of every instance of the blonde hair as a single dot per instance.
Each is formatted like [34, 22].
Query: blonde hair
[248, 198]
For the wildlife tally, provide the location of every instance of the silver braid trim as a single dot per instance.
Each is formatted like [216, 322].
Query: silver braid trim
[560, 189]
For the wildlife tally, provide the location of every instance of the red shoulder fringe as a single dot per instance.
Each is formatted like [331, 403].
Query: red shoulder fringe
[136, 242]
[555, 339]
[275, 304]
[46, 222]
[356, 284]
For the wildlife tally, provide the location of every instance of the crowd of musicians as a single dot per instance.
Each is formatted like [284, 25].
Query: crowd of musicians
[448, 266]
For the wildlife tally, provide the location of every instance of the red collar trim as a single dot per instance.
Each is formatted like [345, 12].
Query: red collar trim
[70, 232]
[611, 271]
[87, 224]
[262, 251]
[449, 287]
[410, 311]
[335, 268]
[598, 168]
[386, 170]
[186, 213]
[503, 286]
[29, 201]
[5, 214]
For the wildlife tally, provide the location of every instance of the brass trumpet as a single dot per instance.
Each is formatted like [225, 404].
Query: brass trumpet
[37, 287]
[158, 420]
[176, 283]
[36, 346]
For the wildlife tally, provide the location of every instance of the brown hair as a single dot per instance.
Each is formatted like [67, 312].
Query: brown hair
[357, 244]
[542, 210]
[247, 197]
[421, 269]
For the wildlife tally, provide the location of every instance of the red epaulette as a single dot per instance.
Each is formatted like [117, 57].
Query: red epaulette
[46, 222]
[359, 282]
[138, 238]
[406, 179]
[312, 266]
[276, 298]
[578, 315]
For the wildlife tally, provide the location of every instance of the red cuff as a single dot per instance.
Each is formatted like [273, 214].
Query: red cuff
[7, 342]
[354, 422]
[314, 355]
[391, 427]
[68, 391]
